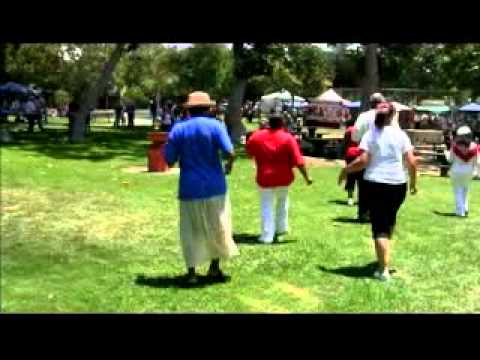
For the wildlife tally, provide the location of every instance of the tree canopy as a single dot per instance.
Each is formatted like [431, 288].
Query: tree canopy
[303, 69]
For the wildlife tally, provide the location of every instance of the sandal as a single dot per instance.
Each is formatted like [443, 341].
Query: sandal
[218, 275]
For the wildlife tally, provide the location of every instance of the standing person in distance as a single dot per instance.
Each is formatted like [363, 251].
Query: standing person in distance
[385, 149]
[205, 214]
[464, 158]
[131, 114]
[153, 110]
[276, 153]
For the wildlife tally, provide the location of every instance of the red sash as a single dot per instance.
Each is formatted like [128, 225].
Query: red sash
[465, 155]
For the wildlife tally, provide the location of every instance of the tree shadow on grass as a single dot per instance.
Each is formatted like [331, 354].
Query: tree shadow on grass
[444, 213]
[164, 282]
[251, 239]
[364, 271]
[100, 145]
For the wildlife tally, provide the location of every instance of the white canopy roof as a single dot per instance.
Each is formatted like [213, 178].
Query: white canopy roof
[282, 95]
[330, 96]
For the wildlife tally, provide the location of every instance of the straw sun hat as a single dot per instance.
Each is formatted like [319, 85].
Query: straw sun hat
[199, 99]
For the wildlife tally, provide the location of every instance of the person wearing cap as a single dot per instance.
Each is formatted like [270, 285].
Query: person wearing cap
[276, 153]
[463, 156]
[385, 149]
[205, 215]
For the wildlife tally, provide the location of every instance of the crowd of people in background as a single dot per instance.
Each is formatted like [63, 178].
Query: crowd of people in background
[379, 158]
[31, 108]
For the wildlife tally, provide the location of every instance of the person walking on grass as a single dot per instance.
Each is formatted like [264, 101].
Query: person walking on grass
[464, 158]
[205, 215]
[365, 122]
[276, 153]
[385, 149]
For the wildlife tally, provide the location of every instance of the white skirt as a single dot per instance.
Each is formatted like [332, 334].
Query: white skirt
[206, 230]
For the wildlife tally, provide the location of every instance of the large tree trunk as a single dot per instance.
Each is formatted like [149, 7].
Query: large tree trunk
[234, 110]
[371, 79]
[233, 118]
[90, 96]
[3, 63]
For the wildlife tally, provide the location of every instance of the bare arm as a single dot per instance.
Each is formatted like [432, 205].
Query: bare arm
[229, 163]
[303, 171]
[412, 170]
[356, 165]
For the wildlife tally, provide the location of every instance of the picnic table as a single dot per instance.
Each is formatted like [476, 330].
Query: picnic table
[109, 114]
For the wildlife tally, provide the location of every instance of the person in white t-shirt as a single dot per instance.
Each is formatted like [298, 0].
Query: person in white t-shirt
[365, 121]
[385, 149]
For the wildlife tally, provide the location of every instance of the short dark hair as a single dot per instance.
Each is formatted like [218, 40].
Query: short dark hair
[276, 122]
[199, 110]
[374, 103]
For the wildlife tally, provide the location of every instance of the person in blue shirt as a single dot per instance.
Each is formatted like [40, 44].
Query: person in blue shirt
[205, 214]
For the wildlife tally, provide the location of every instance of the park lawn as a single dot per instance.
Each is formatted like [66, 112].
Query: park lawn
[77, 233]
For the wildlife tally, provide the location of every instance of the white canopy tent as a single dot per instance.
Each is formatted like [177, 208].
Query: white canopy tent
[277, 99]
[330, 96]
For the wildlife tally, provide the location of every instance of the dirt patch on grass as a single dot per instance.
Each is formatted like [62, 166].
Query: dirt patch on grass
[62, 217]
[303, 295]
[262, 305]
[322, 163]
[143, 169]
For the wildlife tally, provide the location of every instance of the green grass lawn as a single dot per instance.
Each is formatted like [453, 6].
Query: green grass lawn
[77, 232]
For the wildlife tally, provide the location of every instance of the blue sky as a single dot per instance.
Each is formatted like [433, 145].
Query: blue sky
[186, 45]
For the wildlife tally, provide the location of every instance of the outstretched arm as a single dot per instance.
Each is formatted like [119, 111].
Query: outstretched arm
[356, 165]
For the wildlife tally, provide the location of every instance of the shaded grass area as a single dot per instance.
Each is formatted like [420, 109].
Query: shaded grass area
[80, 234]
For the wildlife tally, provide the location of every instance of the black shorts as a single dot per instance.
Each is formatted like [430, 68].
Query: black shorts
[384, 200]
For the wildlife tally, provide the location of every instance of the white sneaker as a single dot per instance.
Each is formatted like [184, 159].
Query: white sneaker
[382, 276]
[350, 202]
[263, 241]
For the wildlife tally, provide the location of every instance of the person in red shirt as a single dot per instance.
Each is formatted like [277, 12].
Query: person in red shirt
[352, 151]
[276, 152]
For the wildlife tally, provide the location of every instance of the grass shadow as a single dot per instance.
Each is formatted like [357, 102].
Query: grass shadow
[342, 219]
[364, 271]
[439, 213]
[250, 239]
[165, 282]
[340, 202]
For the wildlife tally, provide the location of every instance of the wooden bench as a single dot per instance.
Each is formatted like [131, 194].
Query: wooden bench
[429, 148]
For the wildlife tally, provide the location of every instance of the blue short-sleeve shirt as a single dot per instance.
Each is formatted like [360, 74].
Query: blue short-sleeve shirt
[197, 144]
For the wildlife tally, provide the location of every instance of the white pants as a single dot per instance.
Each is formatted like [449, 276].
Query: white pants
[274, 203]
[460, 184]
